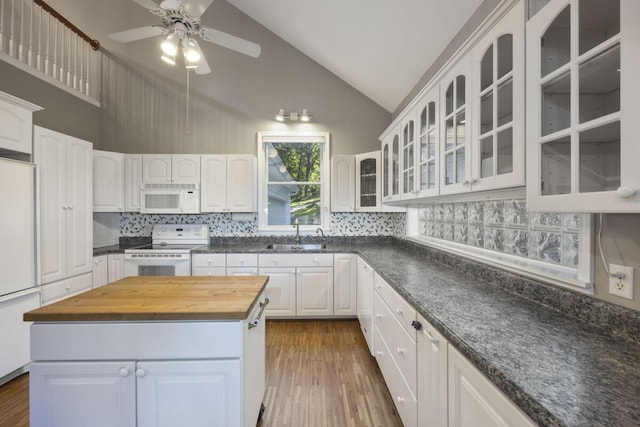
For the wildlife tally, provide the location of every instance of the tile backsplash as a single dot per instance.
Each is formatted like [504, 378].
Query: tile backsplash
[222, 224]
[505, 226]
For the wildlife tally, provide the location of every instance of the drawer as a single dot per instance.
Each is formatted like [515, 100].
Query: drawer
[242, 260]
[295, 260]
[242, 271]
[403, 399]
[401, 309]
[208, 271]
[208, 260]
[66, 287]
[402, 348]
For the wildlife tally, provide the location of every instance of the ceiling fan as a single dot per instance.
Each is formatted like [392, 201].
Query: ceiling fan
[181, 23]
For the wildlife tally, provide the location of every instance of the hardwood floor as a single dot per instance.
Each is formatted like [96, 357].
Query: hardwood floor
[319, 373]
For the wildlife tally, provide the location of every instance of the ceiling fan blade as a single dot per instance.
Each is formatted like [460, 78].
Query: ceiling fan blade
[203, 66]
[137, 34]
[148, 4]
[196, 7]
[230, 42]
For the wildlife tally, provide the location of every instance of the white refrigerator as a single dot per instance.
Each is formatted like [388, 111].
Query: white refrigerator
[18, 290]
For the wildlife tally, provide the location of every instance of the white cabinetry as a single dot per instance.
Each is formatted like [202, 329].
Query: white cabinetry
[132, 182]
[100, 271]
[170, 168]
[427, 129]
[391, 165]
[344, 284]
[368, 182]
[66, 229]
[228, 183]
[242, 264]
[115, 263]
[108, 181]
[473, 400]
[364, 295]
[583, 60]
[343, 183]
[208, 265]
[432, 376]
[15, 124]
[396, 350]
[299, 284]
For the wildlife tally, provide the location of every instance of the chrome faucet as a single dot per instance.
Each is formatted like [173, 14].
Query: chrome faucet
[296, 224]
[319, 230]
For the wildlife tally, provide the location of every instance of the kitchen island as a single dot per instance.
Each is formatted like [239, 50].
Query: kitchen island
[151, 351]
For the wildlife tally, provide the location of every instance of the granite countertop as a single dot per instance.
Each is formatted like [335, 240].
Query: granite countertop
[159, 298]
[563, 358]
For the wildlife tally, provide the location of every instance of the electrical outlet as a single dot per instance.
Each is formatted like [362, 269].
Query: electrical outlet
[621, 287]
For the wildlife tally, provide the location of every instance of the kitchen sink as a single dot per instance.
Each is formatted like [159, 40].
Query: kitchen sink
[295, 247]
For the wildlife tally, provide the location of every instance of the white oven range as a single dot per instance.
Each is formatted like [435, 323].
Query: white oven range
[169, 254]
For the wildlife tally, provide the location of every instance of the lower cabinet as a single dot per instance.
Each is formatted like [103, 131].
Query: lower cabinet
[115, 264]
[15, 332]
[364, 294]
[56, 291]
[100, 272]
[144, 393]
[474, 400]
[432, 376]
[281, 291]
[208, 265]
[344, 284]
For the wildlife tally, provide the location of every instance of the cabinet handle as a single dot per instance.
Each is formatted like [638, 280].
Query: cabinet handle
[68, 287]
[241, 262]
[433, 339]
[255, 322]
[399, 311]
[416, 325]
[400, 399]
[378, 316]
[124, 372]
[400, 350]
[275, 262]
[625, 192]
[316, 260]
[140, 373]
[379, 353]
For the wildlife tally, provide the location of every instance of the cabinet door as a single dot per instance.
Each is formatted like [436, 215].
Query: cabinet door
[407, 157]
[115, 264]
[156, 168]
[368, 182]
[473, 400]
[15, 332]
[314, 291]
[455, 136]
[432, 376]
[242, 183]
[108, 181]
[51, 157]
[132, 181]
[427, 157]
[213, 190]
[386, 180]
[281, 291]
[190, 393]
[82, 394]
[185, 169]
[16, 118]
[342, 183]
[344, 284]
[100, 271]
[498, 113]
[364, 294]
[583, 59]
[79, 207]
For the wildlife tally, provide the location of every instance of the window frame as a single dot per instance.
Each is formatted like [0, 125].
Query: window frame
[266, 137]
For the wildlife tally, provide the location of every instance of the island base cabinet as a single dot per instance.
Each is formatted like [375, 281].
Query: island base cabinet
[473, 400]
[82, 394]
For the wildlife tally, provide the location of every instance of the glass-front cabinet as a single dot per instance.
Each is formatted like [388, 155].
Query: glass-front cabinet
[583, 117]
[498, 119]
[391, 165]
[427, 144]
[455, 137]
[368, 182]
[408, 164]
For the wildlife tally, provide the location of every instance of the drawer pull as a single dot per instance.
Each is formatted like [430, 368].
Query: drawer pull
[68, 287]
[378, 316]
[431, 337]
[124, 372]
[416, 325]
[401, 399]
[400, 350]
[140, 372]
[379, 353]
[255, 322]
[399, 311]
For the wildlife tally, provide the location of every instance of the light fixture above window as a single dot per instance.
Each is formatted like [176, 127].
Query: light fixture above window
[294, 116]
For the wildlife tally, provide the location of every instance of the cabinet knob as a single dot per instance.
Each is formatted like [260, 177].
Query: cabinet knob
[379, 353]
[626, 192]
[241, 262]
[124, 372]
[316, 260]
[416, 325]
[140, 372]
[275, 261]
[400, 350]
[399, 311]
[68, 287]
[400, 399]
[378, 316]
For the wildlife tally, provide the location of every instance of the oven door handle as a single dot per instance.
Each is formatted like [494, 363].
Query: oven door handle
[256, 321]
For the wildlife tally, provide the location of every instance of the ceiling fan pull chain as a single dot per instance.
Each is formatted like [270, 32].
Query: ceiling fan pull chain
[187, 128]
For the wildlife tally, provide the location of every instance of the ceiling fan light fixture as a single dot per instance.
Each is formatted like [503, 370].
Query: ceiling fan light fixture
[171, 60]
[170, 45]
[190, 51]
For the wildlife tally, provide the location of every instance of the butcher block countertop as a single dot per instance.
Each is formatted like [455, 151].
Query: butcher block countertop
[159, 298]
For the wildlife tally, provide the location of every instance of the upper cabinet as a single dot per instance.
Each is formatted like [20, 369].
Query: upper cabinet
[583, 59]
[427, 164]
[15, 124]
[228, 183]
[108, 181]
[343, 183]
[368, 182]
[170, 169]
[132, 182]
[407, 157]
[391, 165]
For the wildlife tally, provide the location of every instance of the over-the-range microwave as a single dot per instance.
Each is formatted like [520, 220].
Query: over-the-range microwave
[170, 198]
